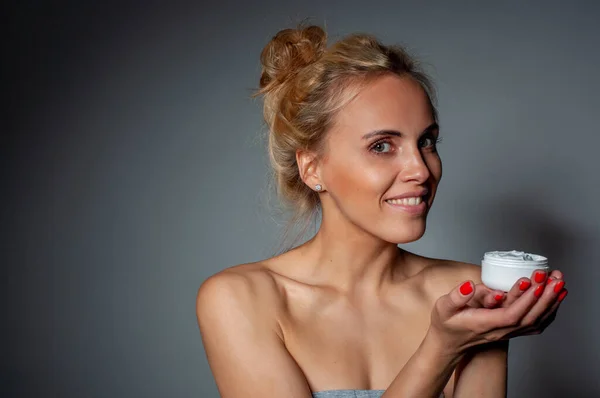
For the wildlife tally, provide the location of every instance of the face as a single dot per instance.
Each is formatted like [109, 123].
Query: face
[381, 168]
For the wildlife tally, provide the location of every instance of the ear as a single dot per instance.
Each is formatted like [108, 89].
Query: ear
[309, 169]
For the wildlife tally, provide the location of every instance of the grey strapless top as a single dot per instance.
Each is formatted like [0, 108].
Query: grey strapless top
[348, 394]
[351, 394]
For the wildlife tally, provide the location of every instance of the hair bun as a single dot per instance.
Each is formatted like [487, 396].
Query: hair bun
[290, 51]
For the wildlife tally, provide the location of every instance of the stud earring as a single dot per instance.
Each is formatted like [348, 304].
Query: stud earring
[318, 187]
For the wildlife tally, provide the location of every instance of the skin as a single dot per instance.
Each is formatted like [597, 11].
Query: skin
[349, 309]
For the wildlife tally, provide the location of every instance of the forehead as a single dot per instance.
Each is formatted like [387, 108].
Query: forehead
[388, 102]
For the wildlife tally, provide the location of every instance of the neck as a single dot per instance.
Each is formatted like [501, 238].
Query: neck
[351, 259]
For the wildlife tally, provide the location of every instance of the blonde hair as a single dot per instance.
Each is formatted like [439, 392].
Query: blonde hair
[304, 83]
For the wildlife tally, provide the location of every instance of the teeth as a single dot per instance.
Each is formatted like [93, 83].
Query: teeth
[406, 201]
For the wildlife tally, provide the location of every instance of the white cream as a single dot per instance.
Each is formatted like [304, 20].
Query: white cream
[501, 269]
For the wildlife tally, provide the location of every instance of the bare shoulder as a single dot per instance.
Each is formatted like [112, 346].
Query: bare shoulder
[457, 271]
[237, 311]
[248, 289]
[441, 275]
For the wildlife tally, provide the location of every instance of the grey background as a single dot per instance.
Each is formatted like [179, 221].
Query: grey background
[132, 169]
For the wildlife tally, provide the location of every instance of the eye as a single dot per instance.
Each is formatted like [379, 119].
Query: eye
[429, 142]
[381, 147]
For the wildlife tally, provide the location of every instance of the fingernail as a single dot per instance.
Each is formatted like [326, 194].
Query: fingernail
[538, 291]
[539, 276]
[466, 288]
[559, 286]
[549, 280]
[498, 297]
[524, 285]
[563, 295]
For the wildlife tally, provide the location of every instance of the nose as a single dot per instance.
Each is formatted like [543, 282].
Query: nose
[414, 167]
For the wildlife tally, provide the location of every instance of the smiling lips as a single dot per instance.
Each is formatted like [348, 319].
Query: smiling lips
[412, 202]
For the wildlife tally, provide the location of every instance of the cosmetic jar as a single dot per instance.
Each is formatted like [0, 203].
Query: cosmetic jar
[501, 269]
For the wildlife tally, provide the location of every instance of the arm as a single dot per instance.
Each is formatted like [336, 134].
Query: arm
[448, 342]
[482, 372]
[241, 338]
[489, 361]
[426, 373]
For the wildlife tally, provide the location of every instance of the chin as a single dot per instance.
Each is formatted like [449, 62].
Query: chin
[407, 233]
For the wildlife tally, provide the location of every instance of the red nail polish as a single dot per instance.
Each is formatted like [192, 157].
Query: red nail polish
[498, 297]
[524, 285]
[563, 295]
[539, 276]
[549, 280]
[466, 288]
[559, 286]
[538, 291]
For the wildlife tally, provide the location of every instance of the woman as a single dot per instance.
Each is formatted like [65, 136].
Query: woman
[353, 132]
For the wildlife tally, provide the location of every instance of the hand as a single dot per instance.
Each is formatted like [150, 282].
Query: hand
[553, 293]
[460, 322]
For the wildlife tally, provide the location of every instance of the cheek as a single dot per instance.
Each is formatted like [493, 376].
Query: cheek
[356, 180]
[434, 164]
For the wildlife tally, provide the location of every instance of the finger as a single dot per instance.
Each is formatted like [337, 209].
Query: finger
[538, 277]
[548, 295]
[556, 274]
[554, 309]
[520, 287]
[456, 300]
[501, 322]
[562, 295]
[546, 320]
[512, 316]
[484, 297]
[531, 331]
[493, 299]
[548, 316]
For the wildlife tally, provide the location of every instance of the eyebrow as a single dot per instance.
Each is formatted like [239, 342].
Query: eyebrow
[376, 133]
